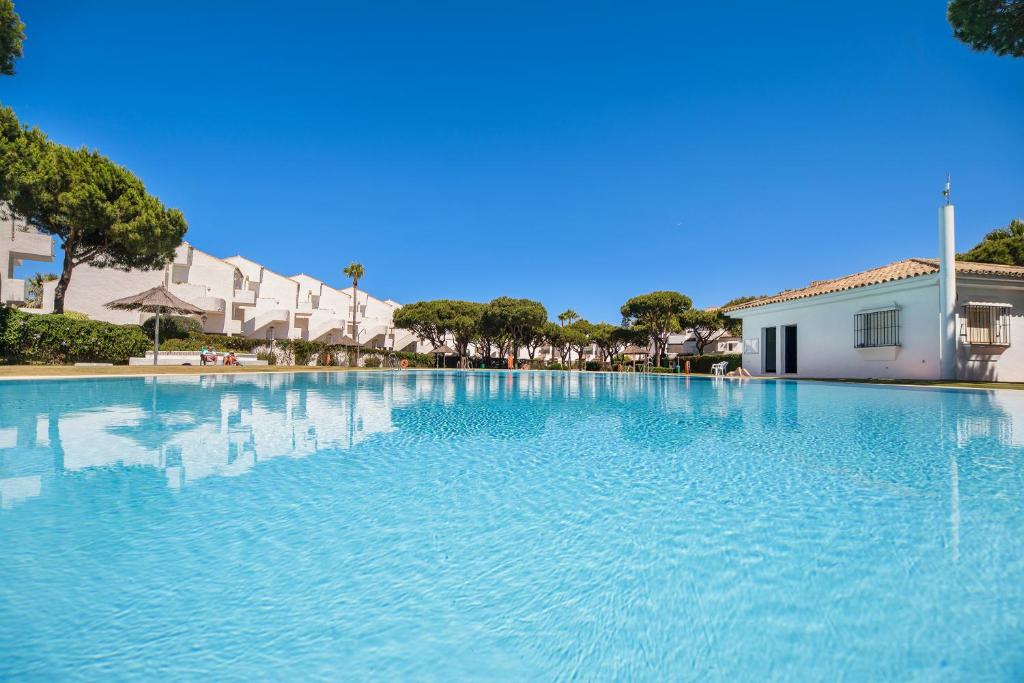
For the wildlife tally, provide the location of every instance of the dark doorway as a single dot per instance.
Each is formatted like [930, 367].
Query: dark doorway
[769, 349]
[789, 347]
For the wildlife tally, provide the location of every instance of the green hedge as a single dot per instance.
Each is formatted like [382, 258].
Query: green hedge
[54, 339]
[416, 360]
[703, 363]
[173, 327]
[221, 342]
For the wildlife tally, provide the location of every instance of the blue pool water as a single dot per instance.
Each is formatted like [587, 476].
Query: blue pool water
[528, 526]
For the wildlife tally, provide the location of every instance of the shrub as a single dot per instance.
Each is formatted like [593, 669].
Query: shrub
[593, 365]
[555, 365]
[173, 327]
[300, 351]
[75, 315]
[702, 364]
[416, 360]
[195, 342]
[54, 339]
[373, 361]
[268, 356]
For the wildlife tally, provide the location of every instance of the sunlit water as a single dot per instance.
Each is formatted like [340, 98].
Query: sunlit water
[527, 526]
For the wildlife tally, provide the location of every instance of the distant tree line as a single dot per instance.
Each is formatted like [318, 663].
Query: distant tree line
[509, 327]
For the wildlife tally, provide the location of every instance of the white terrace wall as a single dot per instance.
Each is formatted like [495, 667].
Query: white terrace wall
[91, 288]
[208, 282]
[276, 302]
[992, 363]
[825, 332]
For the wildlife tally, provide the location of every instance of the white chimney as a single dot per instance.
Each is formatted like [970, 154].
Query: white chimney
[947, 291]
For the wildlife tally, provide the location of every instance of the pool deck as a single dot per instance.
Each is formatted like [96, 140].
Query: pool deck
[70, 371]
[15, 372]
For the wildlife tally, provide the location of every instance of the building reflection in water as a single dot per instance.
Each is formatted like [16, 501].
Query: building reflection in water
[188, 427]
[192, 428]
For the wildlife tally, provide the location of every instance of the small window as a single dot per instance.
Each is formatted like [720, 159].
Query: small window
[985, 324]
[877, 328]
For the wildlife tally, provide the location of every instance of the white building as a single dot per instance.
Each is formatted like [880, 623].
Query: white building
[685, 343]
[914, 319]
[239, 297]
[18, 243]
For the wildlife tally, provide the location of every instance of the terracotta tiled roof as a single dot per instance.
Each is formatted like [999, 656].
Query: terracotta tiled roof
[901, 270]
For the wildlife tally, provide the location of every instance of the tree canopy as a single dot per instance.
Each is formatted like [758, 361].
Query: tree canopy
[435, 321]
[423, 319]
[1003, 245]
[100, 211]
[609, 339]
[705, 325]
[12, 35]
[355, 271]
[560, 340]
[740, 300]
[578, 336]
[658, 313]
[996, 25]
[517, 321]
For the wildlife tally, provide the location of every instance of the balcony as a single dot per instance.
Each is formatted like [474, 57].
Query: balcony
[13, 291]
[245, 297]
[266, 318]
[304, 308]
[211, 304]
[31, 246]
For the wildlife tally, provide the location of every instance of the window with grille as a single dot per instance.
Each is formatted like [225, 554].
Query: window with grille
[877, 328]
[985, 325]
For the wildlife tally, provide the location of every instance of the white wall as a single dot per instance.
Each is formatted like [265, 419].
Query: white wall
[825, 332]
[992, 363]
[91, 288]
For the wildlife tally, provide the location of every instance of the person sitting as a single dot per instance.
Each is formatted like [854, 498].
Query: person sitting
[208, 356]
[231, 359]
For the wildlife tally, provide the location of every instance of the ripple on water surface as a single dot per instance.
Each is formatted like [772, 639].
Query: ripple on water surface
[508, 525]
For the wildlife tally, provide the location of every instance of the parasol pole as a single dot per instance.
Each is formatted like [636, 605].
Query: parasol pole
[156, 337]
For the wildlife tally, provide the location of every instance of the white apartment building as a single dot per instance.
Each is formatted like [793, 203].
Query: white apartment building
[240, 297]
[19, 243]
[686, 344]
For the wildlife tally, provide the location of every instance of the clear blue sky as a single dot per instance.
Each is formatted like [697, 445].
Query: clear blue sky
[577, 153]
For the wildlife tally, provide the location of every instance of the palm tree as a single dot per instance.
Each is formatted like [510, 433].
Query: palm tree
[354, 271]
[35, 289]
[568, 316]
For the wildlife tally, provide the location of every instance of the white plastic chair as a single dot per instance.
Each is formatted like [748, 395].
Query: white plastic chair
[719, 368]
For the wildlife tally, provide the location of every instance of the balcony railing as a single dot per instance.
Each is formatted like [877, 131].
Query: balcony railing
[31, 245]
[245, 297]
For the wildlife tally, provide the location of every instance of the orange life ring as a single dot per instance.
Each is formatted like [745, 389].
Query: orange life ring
[403, 364]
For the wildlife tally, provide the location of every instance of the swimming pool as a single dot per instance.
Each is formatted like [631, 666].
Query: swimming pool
[519, 526]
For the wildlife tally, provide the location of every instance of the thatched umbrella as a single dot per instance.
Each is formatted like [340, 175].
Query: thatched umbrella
[349, 342]
[442, 351]
[155, 300]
